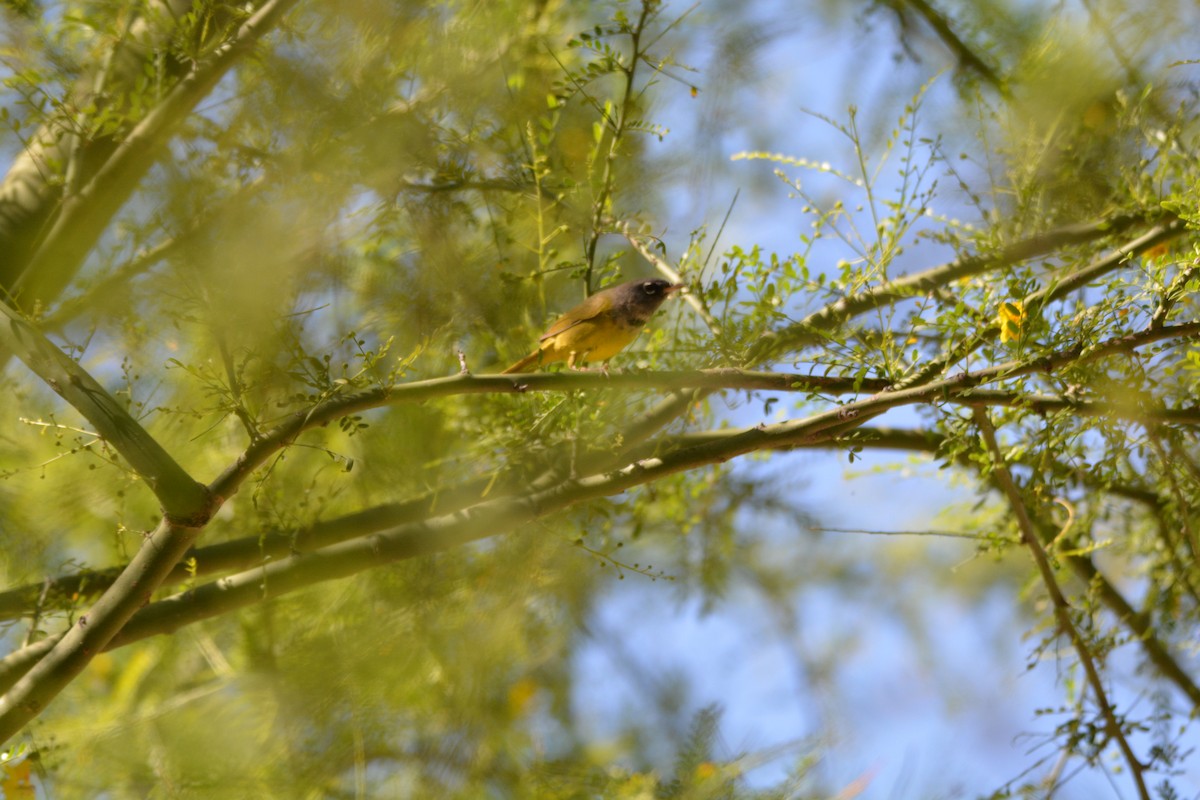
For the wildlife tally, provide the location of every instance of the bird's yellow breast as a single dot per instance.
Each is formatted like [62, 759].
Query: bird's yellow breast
[591, 340]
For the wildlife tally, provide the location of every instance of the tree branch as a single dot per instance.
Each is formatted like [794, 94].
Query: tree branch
[182, 498]
[481, 520]
[250, 553]
[706, 380]
[94, 630]
[809, 330]
[1046, 404]
[187, 506]
[1062, 609]
[31, 192]
[1057, 290]
[85, 215]
[1084, 567]
[462, 384]
[616, 128]
[497, 516]
[941, 27]
[671, 274]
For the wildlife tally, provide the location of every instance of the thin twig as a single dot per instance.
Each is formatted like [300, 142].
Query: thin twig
[1173, 293]
[690, 297]
[1058, 289]
[617, 127]
[810, 329]
[1062, 609]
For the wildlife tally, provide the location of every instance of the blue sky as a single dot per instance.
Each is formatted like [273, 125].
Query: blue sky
[950, 713]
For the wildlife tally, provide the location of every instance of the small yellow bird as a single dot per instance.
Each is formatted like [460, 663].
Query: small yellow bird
[601, 326]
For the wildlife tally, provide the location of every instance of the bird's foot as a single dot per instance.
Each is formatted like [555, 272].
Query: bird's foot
[603, 368]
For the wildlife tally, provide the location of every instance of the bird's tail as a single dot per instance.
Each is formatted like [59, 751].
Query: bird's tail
[526, 364]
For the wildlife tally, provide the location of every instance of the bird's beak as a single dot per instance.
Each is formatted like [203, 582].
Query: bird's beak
[675, 287]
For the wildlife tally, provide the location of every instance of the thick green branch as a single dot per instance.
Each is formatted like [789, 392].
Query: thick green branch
[182, 498]
[250, 551]
[32, 191]
[481, 520]
[93, 631]
[187, 506]
[86, 214]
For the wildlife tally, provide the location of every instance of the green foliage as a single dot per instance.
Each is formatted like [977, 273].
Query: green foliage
[381, 195]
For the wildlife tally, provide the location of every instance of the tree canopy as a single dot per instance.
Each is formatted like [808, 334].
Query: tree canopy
[275, 525]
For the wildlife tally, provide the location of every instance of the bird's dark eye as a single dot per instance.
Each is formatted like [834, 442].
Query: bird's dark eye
[649, 288]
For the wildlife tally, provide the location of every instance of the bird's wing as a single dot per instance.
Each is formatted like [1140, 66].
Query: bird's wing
[588, 309]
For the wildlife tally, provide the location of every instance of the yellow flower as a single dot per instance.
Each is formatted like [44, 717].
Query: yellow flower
[1012, 317]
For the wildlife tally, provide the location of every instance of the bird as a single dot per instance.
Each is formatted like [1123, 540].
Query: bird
[601, 326]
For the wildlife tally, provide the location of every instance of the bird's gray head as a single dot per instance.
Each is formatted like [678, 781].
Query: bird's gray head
[638, 300]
